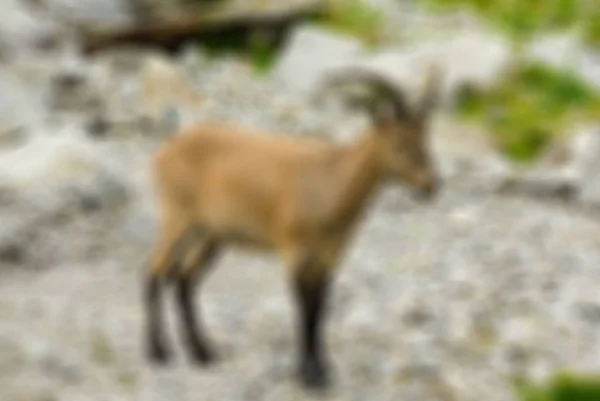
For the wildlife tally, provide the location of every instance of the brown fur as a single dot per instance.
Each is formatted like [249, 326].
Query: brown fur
[224, 185]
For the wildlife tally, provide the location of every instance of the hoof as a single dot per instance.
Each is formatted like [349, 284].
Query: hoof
[158, 355]
[314, 376]
[203, 356]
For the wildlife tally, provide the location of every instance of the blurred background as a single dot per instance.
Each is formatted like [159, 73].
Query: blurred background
[486, 294]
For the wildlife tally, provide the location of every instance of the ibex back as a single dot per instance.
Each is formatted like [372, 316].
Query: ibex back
[220, 185]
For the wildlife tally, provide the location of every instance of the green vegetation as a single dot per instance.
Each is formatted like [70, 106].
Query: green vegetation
[257, 47]
[563, 387]
[263, 53]
[521, 19]
[355, 18]
[530, 107]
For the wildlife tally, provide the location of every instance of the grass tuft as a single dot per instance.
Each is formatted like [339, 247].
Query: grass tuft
[529, 108]
[521, 20]
[355, 18]
[562, 387]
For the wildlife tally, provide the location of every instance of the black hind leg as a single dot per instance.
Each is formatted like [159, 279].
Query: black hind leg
[157, 350]
[192, 275]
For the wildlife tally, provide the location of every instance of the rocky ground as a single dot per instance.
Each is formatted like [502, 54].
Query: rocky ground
[444, 301]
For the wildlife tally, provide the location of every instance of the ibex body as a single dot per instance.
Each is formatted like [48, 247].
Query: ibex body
[220, 185]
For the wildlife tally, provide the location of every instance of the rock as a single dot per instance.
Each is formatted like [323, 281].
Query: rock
[566, 51]
[568, 170]
[153, 10]
[311, 52]
[462, 150]
[467, 59]
[13, 358]
[589, 311]
[540, 183]
[557, 50]
[139, 227]
[360, 318]
[588, 68]
[73, 85]
[54, 182]
[167, 89]
[13, 138]
[585, 149]
[21, 30]
[98, 126]
[20, 109]
[81, 12]
[475, 59]
[192, 60]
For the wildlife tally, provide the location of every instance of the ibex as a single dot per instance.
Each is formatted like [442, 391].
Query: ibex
[220, 185]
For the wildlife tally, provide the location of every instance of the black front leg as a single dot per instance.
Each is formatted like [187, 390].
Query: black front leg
[157, 350]
[311, 290]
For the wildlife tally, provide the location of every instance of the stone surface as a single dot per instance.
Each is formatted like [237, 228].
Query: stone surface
[309, 54]
[20, 105]
[567, 52]
[167, 90]
[66, 179]
[568, 170]
[465, 59]
[585, 148]
[92, 11]
[21, 29]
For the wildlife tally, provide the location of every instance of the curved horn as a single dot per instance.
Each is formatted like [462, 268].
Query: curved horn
[382, 85]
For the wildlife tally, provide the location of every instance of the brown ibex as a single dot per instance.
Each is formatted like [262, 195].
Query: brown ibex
[220, 185]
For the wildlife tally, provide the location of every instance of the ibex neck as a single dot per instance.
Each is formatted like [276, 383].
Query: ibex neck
[359, 175]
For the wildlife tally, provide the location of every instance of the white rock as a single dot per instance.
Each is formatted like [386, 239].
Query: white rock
[20, 105]
[557, 50]
[586, 154]
[569, 168]
[588, 68]
[465, 216]
[476, 58]
[469, 58]
[461, 149]
[20, 29]
[93, 11]
[52, 181]
[167, 89]
[310, 52]
[521, 330]
[567, 52]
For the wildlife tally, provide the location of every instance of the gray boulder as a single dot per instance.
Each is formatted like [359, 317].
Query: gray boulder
[52, 188]
[310, 53]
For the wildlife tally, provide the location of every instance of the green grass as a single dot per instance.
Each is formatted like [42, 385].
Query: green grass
[260, 52]
[522, 19]
[354, 18]
[263, 54]
[562, 387]
[529, 108]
